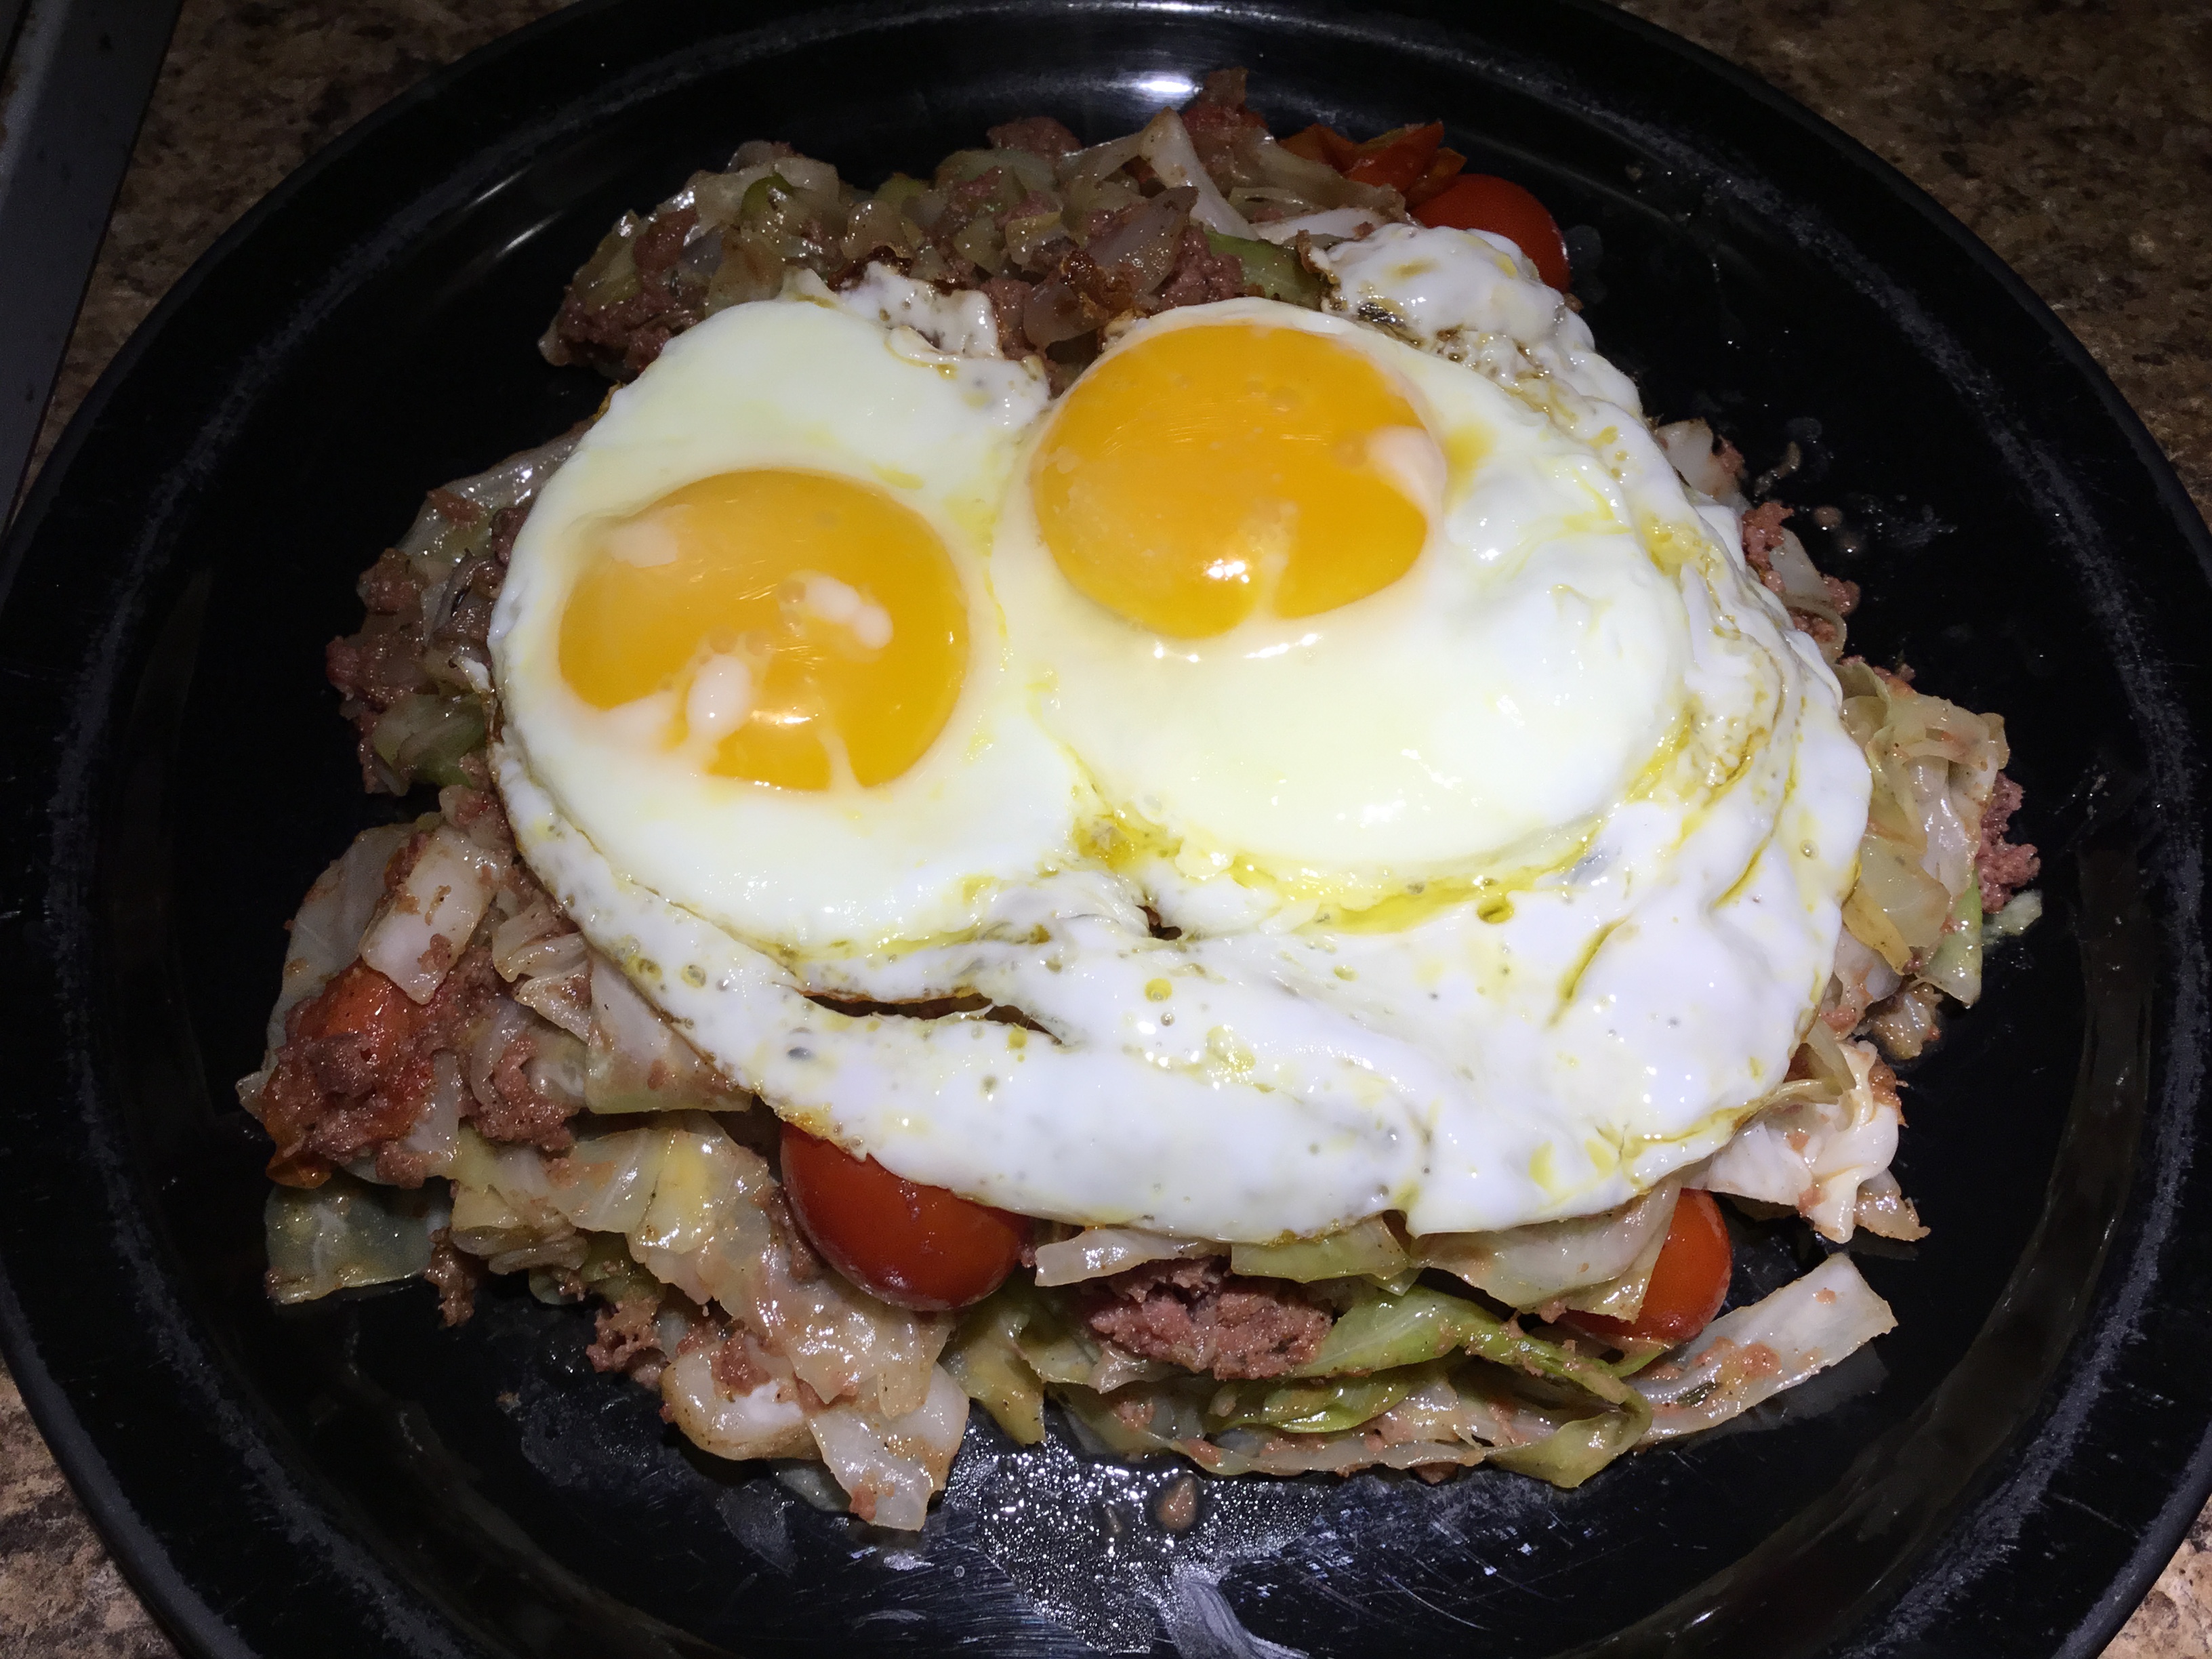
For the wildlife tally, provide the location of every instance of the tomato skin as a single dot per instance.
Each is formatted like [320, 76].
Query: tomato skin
[1478, 201]
[914, 1246]
[1444, 167]
[1397, 159]
[1689, 1281]
[1323, 145]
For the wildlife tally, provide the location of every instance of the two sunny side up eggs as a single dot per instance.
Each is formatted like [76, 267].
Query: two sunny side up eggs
[1421, 701]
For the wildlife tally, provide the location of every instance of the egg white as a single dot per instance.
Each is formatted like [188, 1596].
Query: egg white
[1640, 986]
[808, 386]
[1497, 698]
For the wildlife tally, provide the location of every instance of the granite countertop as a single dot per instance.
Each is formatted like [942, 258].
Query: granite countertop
[2075, 136]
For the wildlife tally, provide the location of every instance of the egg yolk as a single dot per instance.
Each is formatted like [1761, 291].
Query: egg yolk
[812, 628]
[1212, 470]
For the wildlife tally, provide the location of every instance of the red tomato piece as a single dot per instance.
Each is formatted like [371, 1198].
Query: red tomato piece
[1477, 201]
[1323, 145]
[1397, 159]
[916, 1246]
[1689, 1281]
[1444, 167]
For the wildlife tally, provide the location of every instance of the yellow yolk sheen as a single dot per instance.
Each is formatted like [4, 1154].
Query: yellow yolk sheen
[810, 626]
[1207, 473]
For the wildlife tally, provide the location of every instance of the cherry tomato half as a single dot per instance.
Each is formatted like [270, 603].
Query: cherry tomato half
[1478, 201]
[916, 1246]
[1689, 1281]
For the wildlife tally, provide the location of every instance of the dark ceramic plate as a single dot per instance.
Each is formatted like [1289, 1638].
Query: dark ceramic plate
[2003, 1474]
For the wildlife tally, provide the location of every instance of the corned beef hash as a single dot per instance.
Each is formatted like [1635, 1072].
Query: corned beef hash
[1126, 776]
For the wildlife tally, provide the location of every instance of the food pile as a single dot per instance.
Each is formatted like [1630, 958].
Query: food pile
[1126, 777]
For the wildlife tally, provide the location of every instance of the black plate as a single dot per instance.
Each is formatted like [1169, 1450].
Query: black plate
[2003, 1474]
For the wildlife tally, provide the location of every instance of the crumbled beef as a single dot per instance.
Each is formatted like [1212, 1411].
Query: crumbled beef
[1064, 362]
[1038, 134]
[412, 627]
[963, 199]
[626, 1339]
[477, 814]
[456, 1273]
[733, 1368]
[518, 1110]
[1008, 296]
[1200, 1316]
[506, 525]
[1201, 274]
[390, 587]
[1825, 634]
[1882, 1084]
[1762, 534]
[623, 338]
[2003, 867]
[455, 508]
[374, 668]
[1224, 129]
[355, 1070]
[402, 1165]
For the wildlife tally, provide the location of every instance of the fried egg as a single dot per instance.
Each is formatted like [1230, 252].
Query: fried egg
[747, 644]
[1375, 781]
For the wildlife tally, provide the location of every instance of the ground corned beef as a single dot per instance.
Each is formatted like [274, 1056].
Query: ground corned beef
[456, 1274]
[1200, 1316]
[355, 1070]
[355, 1073]
[2003, 867]
[627, 1340]
[1039, 135]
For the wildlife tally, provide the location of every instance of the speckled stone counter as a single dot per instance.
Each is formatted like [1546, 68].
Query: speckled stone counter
[2075, 136]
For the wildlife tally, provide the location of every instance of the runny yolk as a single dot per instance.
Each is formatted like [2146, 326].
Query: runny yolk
[1216, 469]
[811, 627]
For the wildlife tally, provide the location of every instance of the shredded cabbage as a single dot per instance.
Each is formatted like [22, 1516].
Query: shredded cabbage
[1528, 1266]
[1743, 1358]
[1276, 271]
[1818, 1141]
[1166, 144]
[1404, 1381]
[636, 1062]
[985, 1358]
[764, 1421]
[430, 918]
[1097, 1251]
[1935, 764]
[346, 1234]
[1367, 1249]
